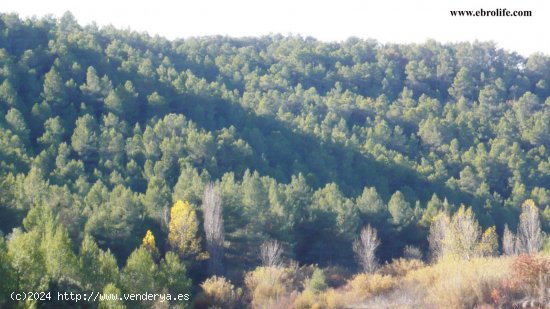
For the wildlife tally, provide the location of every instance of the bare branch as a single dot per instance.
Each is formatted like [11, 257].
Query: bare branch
[438, 233]
[271, 253]
[412, 253]
[213, 228]
[529, 233]
[164, 218]
[365, 247]
[509, 242]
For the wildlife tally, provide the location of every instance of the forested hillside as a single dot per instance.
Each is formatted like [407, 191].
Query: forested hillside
[106, 134]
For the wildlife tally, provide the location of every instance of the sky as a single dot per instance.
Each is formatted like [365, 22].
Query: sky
[388, 21]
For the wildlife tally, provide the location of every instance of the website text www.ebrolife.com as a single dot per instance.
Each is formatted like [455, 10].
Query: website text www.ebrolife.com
[97, 296]
[492, 13]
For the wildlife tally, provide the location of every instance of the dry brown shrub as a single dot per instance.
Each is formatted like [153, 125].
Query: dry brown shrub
[268, 286]
[308, 299]
[217, 292]
[528, 285]
[456, 283]
[527, 271]
[363, 286]
[330, 299]
[401, 267]
[335, 299]
[337, 276]
[283, 302]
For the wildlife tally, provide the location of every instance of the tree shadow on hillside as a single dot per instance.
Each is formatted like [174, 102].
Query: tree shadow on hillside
[281, 151]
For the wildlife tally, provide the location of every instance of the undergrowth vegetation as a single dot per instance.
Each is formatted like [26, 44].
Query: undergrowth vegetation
[486, 282]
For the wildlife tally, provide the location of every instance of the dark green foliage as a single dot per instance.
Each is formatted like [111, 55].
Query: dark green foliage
[113, 219]
[16, 123]
[400, 210]
[54, 91]
[139, 274]
[85, 138]
[172, 275]
[9, 279]
[97, 267]
[101, 130]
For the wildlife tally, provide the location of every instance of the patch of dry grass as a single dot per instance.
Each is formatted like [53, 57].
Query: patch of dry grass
[455, 283]
[450, 283]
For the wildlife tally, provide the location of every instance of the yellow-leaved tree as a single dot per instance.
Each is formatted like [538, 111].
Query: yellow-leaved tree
[183, 231]
[149, 244]
[461, 236]
[488, 245]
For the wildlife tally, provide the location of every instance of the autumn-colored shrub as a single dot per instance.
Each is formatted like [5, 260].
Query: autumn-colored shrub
[528, 270]
[282, 302]
[266, 286]
[401, 267]
[308, 299]
[363, 286]
[329, 299]
[457, 283]
[528, 284]
[217, 292]
[335, 299]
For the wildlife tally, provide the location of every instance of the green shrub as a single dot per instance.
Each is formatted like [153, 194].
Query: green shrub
[318, 282]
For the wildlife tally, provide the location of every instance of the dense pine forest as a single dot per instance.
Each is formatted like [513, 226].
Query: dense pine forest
[132, 163]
